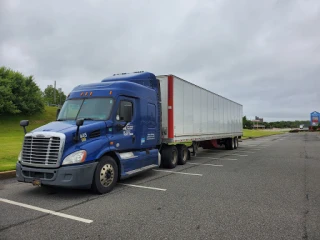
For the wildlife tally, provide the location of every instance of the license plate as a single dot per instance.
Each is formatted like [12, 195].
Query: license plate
[36, 182]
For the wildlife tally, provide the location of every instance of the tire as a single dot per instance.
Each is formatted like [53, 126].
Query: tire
[236, 143]
[182, 154]
[227, 144]
[231, 143]
[169, 157]
[105, 176]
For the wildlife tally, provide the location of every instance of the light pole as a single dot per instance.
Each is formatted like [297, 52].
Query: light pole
[60, 90]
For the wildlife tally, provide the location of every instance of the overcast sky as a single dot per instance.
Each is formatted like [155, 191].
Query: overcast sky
[262, 54]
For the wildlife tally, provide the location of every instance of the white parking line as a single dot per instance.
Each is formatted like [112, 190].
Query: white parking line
[139, 186]
[205, 164]
[192, 174]
[230, 159]
[234, 154]
[46, 211]
[243, 151]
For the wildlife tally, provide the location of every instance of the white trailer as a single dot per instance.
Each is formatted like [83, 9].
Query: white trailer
[191, 114]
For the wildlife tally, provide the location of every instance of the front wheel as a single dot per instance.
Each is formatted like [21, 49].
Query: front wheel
[105, 176]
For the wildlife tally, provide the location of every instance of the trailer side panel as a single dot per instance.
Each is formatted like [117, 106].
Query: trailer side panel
[197, 113]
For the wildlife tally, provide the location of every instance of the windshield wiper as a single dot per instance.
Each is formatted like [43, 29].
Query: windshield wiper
[92, 119]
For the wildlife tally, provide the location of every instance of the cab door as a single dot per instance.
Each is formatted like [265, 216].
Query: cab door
[126, 132]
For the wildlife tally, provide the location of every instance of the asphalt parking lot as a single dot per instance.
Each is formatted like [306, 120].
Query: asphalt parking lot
[266, 189]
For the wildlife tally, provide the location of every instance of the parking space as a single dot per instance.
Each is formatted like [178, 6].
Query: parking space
[206, 196]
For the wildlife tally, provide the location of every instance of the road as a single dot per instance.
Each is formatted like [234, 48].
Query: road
[266, 189]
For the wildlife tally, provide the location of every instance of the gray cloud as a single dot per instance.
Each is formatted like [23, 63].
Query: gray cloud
[263, 54]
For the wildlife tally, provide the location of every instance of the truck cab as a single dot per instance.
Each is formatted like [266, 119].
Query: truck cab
[104, 132]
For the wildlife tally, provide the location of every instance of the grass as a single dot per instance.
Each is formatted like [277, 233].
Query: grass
[259, 133]
[11, 135]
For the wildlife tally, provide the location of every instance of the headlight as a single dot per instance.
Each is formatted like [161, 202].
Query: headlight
[76, 157]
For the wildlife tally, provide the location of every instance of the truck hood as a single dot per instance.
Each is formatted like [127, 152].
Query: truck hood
[66, 126]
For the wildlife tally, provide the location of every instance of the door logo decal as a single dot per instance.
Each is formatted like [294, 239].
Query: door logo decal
[151, 136]
[127, 130]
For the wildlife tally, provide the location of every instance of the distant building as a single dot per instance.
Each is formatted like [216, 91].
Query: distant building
[256, 124]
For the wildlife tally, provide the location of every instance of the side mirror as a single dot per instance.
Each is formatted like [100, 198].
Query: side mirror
[127, 118]
[79, 123]
[24, 124]
[58, 111]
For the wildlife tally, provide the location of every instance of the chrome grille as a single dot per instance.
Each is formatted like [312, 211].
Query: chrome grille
[41, 151]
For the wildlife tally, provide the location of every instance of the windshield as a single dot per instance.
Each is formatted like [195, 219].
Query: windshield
[88, 109]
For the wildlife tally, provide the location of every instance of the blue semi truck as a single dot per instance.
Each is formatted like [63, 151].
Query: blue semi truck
[124, 125]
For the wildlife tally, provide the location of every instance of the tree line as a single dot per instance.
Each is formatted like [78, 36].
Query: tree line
[21, 95]
[247, 124]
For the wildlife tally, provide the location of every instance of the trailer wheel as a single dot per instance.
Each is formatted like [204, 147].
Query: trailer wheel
[227, 144]
[105, 175]
[182, 154]
[236, 143]
[169, 157]
[231, 143]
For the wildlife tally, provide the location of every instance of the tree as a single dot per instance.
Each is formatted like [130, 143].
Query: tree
[19, 93]
[247, 124]
[48, 95]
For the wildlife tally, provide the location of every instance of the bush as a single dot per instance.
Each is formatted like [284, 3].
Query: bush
[19, 93]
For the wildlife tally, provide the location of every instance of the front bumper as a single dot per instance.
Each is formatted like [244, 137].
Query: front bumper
[79, 176]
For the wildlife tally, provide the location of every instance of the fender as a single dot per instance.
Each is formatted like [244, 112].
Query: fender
[112, 150]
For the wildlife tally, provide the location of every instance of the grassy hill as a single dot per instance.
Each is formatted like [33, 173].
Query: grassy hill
[11, 134]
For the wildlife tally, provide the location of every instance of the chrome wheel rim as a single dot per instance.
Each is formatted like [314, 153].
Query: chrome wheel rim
[185, 154]
[106, 175]
[175, 157]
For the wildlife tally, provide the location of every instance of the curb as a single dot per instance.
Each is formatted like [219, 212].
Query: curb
[7, 174]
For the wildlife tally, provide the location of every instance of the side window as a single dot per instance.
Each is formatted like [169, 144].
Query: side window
[125, 111]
